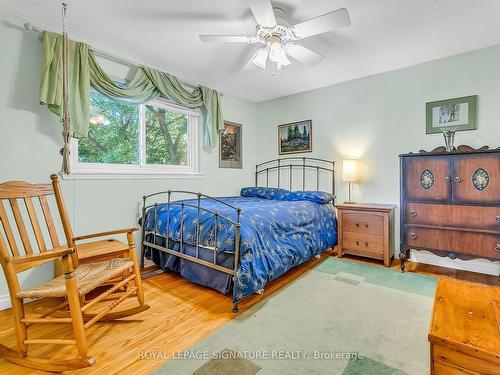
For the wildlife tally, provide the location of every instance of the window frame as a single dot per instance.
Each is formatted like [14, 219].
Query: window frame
[99, 170]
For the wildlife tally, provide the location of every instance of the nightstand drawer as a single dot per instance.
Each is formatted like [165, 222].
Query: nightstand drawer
[355, 221]
[363, 243]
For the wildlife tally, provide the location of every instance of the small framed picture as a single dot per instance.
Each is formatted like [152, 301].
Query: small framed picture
[452, 114]
[230, 154]
[295, 137]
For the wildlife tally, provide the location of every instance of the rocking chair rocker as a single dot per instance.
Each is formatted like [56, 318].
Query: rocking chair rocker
[121, 276]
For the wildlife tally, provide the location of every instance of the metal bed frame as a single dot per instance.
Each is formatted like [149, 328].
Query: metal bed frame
[291, 164]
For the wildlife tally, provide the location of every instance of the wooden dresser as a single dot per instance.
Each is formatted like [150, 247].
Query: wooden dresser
[450, 203]
[365, 229]
[464, 334]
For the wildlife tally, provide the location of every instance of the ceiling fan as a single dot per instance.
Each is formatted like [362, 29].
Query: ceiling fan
[279, 38]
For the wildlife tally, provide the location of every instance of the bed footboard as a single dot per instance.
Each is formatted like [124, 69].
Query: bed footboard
[152, 241]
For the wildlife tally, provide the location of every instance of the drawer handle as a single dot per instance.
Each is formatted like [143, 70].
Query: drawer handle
[366, 225]
[357, 243]
[365, 243]
[497, 219]
[413, 213]
[357, 225]
[497, 247]
[457, 180]
[413, 236]
[447, 179]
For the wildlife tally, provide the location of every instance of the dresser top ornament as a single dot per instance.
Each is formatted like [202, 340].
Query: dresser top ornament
[456, 150]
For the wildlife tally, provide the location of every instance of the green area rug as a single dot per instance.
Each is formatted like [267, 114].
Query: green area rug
[343, 317]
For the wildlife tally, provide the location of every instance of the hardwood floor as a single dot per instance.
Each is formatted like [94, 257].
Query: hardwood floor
[181, 314]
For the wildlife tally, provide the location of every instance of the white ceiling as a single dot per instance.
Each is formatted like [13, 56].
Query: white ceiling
[384, 35]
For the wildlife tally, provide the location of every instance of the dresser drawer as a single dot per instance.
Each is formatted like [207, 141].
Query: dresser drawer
[463, 242]
[453, 216]
[365, 244]
[363, 222]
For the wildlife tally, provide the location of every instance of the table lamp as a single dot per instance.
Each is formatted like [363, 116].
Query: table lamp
[350, 175]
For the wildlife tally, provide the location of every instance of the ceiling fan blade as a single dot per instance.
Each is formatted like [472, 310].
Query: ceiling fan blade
[303, 54]
[263, 12]
[327, 22]
[227, 39]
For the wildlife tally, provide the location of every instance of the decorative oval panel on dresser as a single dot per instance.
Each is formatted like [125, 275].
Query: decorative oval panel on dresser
[477, 179]
[427, 179]
[450, 203]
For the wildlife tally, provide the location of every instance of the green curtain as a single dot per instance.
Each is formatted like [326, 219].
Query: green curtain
[79, 81]
[146, 85]
[137, 91]
[215, 120]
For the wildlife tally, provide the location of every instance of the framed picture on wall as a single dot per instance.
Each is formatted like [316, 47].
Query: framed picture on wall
[456, 114]
[230, 154]
[295, 137]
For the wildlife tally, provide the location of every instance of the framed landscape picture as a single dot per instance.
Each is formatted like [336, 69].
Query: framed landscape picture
[295, 137]
[452, 114]
[230, 146]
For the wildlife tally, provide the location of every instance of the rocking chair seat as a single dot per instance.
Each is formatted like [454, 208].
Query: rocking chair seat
[87, 276]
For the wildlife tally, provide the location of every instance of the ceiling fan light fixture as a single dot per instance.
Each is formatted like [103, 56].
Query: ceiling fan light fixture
[278, 55]
[275, 51]
[279, 38]
[279, 66]
[260, 57]
[284, 61]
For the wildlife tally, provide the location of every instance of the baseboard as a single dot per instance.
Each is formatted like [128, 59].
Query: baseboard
[475, 265]
[5, 302]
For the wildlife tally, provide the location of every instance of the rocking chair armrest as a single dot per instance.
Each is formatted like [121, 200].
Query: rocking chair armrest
[56, 252]
[103, 234]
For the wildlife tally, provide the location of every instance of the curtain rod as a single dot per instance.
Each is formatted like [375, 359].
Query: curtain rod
[28, 26]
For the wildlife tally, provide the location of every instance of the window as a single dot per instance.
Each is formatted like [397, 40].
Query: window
[152, 138]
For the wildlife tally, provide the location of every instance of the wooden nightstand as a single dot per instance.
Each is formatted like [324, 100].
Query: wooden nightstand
[365, 229]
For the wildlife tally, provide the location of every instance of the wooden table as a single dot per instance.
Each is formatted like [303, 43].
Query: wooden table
[464, 334]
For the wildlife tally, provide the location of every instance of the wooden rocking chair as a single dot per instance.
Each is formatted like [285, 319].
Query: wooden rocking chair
[120, 275]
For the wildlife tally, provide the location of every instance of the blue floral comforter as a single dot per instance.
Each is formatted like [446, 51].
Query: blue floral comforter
[278, 232]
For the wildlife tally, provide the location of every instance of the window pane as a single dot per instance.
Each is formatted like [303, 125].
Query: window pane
[113, 133]
[166, 136]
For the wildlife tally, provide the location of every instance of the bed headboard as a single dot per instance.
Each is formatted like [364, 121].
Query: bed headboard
[282, 172]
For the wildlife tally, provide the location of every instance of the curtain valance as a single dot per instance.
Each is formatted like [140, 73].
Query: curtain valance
[84, 72]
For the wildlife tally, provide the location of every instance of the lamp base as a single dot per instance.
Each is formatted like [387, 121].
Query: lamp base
[349, 202]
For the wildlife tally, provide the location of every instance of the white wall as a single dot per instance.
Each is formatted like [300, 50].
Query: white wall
[31, 138]
[376, 118]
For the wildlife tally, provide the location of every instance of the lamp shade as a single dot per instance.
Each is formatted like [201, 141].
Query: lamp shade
[278, 55]
[260, 57]
[350, 170]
